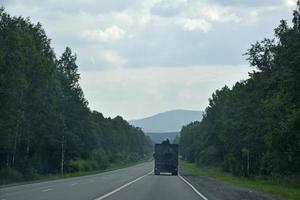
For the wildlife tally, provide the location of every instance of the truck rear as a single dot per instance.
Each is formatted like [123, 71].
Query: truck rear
[166, 158]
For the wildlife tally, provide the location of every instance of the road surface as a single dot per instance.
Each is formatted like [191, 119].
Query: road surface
[132, 183]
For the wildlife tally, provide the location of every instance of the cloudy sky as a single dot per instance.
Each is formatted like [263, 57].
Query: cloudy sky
[141, 57]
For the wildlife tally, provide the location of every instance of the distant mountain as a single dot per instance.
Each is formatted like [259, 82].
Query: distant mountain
[170, 121]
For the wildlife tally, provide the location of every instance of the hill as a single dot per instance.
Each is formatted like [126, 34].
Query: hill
[170, 121]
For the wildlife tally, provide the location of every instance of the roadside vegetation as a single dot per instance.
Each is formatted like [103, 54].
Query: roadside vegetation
[46, 126]
[253, 129]
[282, 187]
[48, 177]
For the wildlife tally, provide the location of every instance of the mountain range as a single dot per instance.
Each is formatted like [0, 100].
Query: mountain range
[170, 121]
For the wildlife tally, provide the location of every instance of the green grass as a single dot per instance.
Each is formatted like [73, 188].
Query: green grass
[279, 187]
[48, 177]
[111, 167]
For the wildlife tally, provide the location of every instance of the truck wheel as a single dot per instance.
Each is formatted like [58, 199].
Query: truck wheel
[156, 172]
[174, 173]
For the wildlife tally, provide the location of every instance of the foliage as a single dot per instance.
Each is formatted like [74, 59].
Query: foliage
[46, 126]
[83, 165]
[254, 127]
[10, 175]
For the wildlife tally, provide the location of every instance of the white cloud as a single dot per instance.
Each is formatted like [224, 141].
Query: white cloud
[219, 14]
[168, 8]
[136, 92]
[121, 41]
[109, 34]
[290, 3]
[196, 24]
[124, 18]
[113, 58]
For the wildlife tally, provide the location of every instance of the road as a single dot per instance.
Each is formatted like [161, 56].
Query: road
[132, 183]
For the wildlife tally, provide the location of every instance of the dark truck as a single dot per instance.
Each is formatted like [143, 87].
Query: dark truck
[166, 158]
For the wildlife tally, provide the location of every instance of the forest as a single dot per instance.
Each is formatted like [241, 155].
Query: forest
[46, 126]
[253, 128]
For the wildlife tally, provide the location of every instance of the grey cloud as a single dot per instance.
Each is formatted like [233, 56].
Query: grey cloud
[161, 42]
[157, 42]
[168, 45]
[167, 8]
[7, 2]
[248, 3]
[75, 6]
[104, 6]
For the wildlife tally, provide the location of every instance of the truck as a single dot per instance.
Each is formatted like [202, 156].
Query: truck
[166, 158]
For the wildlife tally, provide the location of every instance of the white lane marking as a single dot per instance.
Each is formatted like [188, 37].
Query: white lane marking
[46, 190]
[74, 184]
[123, 186]
[91, 181]
[195, 190]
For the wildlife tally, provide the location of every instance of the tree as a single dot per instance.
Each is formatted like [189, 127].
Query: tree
[253, 128]
[46, 125]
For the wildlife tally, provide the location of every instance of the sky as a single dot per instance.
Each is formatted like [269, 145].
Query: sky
[141, 57]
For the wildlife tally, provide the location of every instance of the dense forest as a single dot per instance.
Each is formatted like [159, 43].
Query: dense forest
[46, 125]
[253, 128]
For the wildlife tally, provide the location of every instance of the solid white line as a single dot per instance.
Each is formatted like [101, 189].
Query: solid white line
[46, 190]
[123, 186]
[195, 190]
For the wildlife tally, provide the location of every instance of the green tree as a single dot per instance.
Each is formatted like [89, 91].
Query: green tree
[253, 127]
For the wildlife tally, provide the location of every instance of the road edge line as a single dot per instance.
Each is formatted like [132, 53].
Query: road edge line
[121, 187]
[195, 190]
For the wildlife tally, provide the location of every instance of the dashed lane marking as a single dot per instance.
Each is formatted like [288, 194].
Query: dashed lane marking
[123, 186]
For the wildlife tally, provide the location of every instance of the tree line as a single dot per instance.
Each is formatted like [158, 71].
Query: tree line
[253, 128]
[46, 125]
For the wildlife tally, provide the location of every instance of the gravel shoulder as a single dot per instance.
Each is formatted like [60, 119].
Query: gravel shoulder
[218, 190]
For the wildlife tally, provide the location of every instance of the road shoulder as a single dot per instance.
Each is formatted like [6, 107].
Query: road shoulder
[218, 190]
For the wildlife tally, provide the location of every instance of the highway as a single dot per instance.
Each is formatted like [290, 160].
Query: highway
[132, 183]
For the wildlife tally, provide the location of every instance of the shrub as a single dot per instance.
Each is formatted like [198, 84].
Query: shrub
[83, 165]
[101, 159]
[31, 174]
[9, 175]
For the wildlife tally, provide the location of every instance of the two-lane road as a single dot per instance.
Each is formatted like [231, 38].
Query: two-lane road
[136, 182]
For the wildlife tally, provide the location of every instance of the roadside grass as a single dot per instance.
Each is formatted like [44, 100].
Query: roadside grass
[278, 187]
[48, 177]
[110, 167]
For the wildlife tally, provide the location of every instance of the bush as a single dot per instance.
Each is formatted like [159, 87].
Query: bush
[101, 159]
[83, 165]
[31, 174]
[118, 158]
[9, 175]
[133, 157]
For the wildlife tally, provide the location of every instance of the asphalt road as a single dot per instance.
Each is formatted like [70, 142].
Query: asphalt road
[136, 182]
